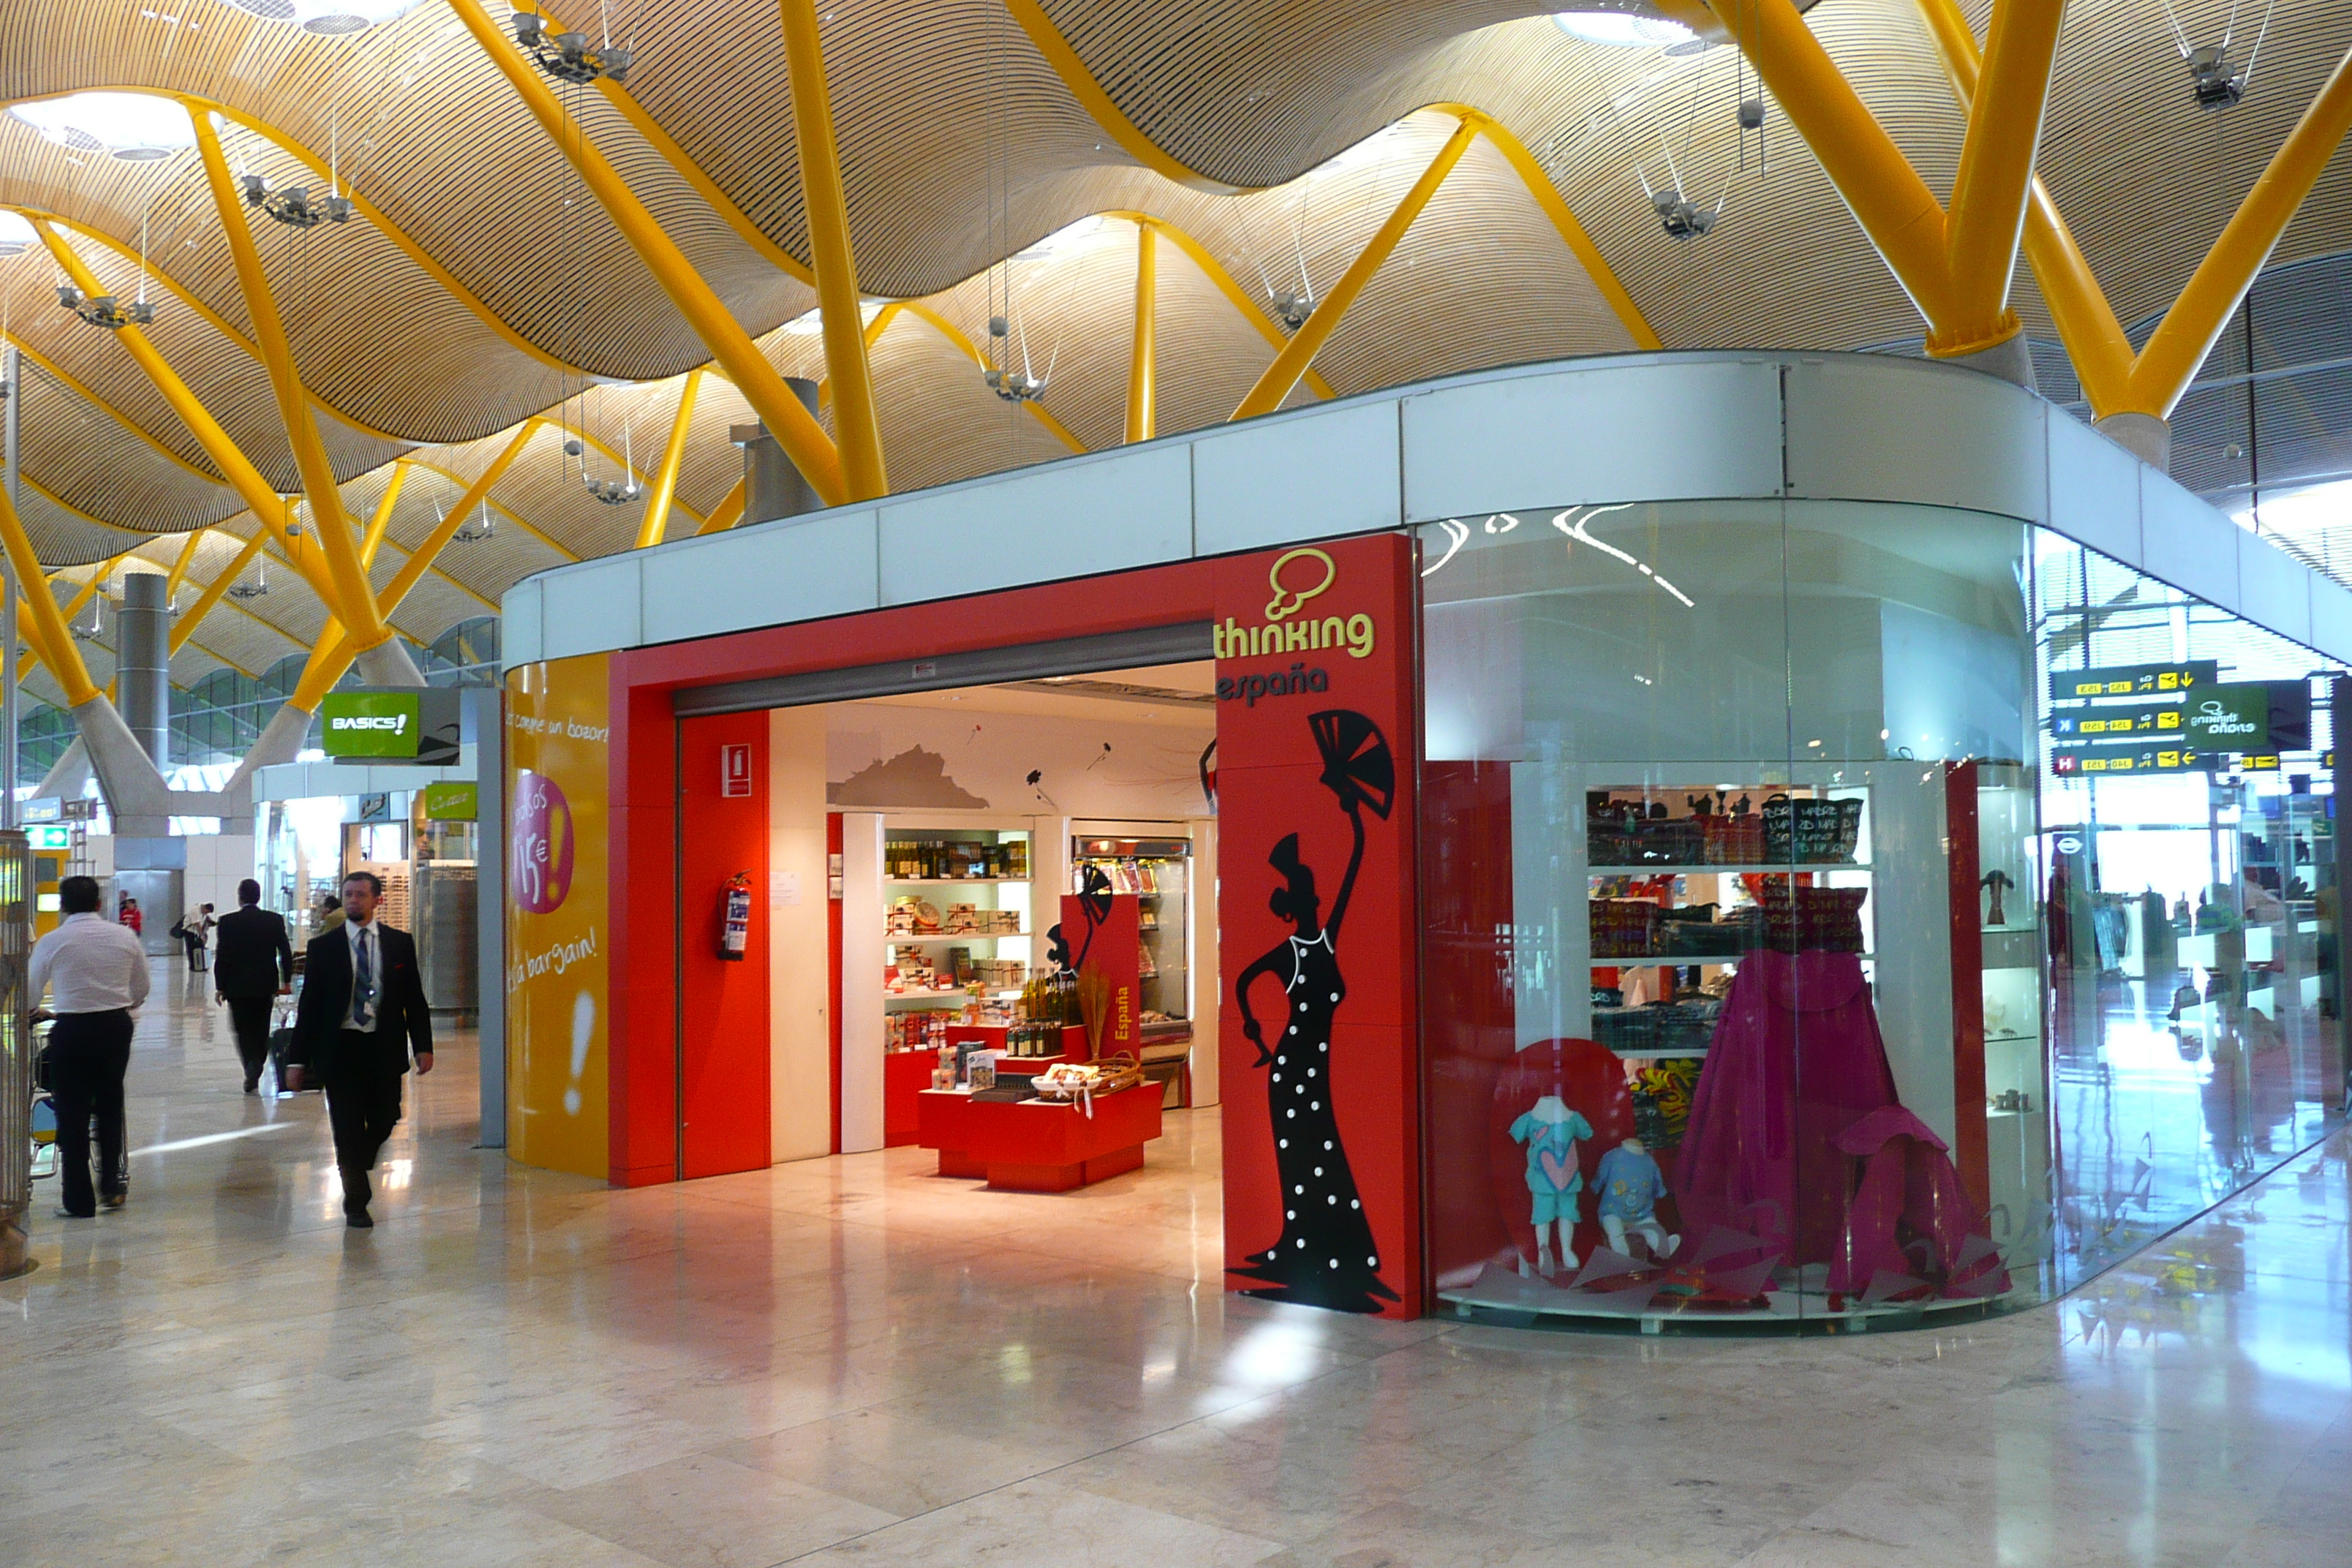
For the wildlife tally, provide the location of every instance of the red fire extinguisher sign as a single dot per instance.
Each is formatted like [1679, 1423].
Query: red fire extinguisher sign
[734, 771]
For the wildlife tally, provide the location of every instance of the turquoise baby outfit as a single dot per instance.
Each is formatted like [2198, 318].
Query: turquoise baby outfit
[1555, 1180]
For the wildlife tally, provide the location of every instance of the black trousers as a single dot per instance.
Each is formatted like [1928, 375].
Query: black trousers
[362, 1107]
[248, 1016]
[88, 1054]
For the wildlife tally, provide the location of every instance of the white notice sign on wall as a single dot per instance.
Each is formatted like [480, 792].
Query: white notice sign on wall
[783, 888]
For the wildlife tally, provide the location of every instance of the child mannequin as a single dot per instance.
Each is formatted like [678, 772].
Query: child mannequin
[1550, 1132]
[1631, 1185]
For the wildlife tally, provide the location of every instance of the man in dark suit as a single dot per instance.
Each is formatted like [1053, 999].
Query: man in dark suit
[361, 1014]
[254, 966]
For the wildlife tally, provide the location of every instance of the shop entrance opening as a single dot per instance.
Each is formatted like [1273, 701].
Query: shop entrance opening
[970, 932]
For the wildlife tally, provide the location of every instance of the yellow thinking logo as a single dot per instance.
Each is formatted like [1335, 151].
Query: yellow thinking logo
[1292, 590]
[1287, 601]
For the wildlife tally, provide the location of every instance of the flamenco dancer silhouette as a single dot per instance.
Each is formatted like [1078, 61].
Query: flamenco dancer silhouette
[1326, 1257]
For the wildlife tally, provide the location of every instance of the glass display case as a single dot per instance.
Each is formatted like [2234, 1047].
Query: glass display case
[959, 927]
[1157, 871]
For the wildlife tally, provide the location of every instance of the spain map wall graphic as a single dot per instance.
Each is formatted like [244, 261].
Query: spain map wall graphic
[1315, 730]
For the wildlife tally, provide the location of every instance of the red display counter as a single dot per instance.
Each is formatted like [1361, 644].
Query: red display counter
[906, 1074]
[1035, 1146]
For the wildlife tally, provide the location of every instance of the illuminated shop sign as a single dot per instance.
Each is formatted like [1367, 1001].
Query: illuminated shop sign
[1298, 578]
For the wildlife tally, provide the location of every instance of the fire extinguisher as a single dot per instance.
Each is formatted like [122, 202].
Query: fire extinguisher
[735, 921]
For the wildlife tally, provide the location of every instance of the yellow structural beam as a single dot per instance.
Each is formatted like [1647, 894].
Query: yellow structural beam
[64, 660]
[1989, 194]
[373, 541]
[1143, 369]
[1291, 362]
[179, 572]
[1251, 310]
[726, 514]
[353, 600]
[855, 425]
[1564, 222]
[964, 346]
[794, 428]
[2177, 351]
[267, 504]
[186, 626]
[665, 486]
[1887, 195]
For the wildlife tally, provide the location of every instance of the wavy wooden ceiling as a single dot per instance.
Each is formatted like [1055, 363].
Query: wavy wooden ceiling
[490, 288]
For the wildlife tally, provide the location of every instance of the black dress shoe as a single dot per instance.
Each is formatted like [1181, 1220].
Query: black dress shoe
[69, 1214]
[358, 1219]
[252, 1084]
[112, 1200]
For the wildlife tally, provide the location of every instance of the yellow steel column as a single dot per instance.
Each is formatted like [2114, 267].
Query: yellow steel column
[724, 515]
[1291, 362]
[353, 600]
[2178, 349]
[665, 486]
[1989, 194]
[1142, 369]
[1887, 197]
[64, 659]
[794, 428]
[373, 541]
[179, 572]
[855, 422]
[2086, 323]
[186, 626]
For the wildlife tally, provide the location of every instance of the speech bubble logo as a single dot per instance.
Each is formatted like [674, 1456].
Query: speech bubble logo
[1290, 595]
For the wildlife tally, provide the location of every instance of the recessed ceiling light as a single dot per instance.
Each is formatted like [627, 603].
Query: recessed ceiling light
[16, 236]
[134, 126]
[1617, 30]
[327, 19]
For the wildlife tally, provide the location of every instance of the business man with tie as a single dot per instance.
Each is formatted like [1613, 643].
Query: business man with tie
[361, 1014]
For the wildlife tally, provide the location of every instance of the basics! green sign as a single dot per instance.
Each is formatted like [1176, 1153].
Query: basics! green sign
[452, 802]
[371, 723]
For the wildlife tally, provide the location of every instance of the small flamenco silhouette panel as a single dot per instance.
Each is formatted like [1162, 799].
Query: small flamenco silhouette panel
[1314, 738]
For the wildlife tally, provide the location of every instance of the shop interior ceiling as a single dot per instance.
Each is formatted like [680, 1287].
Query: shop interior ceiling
[481, 287]
[1181, 696]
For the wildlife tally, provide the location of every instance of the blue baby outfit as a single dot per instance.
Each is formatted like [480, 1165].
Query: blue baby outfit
[1630, 1185]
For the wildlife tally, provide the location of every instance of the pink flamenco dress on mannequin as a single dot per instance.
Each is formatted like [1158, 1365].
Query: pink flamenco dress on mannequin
[1798, 1151]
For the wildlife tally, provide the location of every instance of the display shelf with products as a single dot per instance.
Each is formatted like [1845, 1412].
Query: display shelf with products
[970, 956]
[1684, 882]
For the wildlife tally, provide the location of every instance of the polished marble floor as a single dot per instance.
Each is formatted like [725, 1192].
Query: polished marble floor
[845, 1360]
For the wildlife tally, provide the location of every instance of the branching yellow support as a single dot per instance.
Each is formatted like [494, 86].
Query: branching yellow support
[664, 485]
[1989, 194]
[855, 421]
[1251, 310]
[185, 626]
[336, 648]
[379, 524]
[2086, 323]
[794, 428]
[353, 600]
[63, 659]
[1143, 369]
[1291, 362]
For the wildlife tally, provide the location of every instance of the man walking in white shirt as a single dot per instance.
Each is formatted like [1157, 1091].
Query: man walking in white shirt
[96, 972]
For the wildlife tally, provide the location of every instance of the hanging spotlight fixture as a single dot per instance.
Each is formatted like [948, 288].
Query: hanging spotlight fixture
[2214, 80]
[292, 205]
[1291, 309]
[476, 529]
[244, 591]
[1014, 385]
[100, 309]
[570, 56]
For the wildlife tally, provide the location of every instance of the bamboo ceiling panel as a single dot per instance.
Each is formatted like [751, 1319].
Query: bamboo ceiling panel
[940, 422]
[65, 538]
[92, 461]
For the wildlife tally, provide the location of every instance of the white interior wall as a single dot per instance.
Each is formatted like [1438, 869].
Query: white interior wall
[1207, 984]
[800, 981]
[862, 923]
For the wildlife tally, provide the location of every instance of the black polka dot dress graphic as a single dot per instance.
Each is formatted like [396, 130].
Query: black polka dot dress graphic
[1326, 1254]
